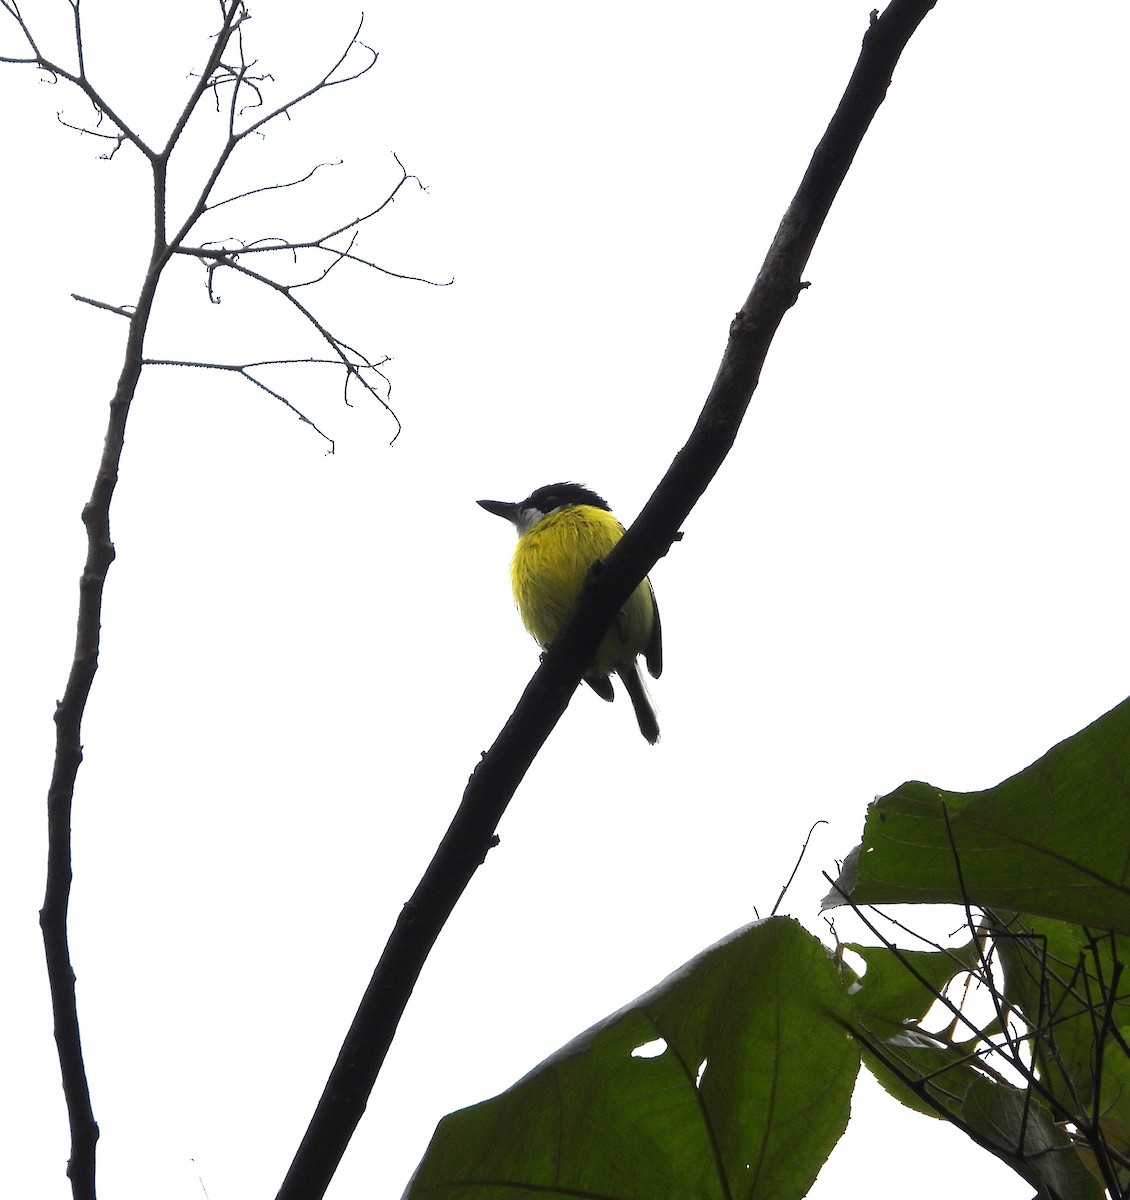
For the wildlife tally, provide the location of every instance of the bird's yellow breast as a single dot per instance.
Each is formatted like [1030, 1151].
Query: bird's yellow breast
[549, 566]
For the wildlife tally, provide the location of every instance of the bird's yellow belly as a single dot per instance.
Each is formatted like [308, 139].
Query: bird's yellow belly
[548, 570]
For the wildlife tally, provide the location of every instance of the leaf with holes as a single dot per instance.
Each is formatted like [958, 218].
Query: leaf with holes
[926, 1071]
[732, 1079]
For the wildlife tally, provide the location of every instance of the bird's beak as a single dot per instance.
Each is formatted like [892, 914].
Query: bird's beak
[501, 508]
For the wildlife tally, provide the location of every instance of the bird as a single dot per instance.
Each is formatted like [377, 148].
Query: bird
[563, 528]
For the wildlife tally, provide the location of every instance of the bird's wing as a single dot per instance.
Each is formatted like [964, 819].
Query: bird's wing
[653, 651]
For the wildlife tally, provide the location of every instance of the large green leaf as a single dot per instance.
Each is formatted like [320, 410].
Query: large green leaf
[731, 1079]
[1019, 1130]
[928, 1072]
[1053, 840]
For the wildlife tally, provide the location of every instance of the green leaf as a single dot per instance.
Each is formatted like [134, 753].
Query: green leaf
[901, 986]
[1053, 840]
[928, 1073]
[1019, 1131]
[732, 1078]
[929, 1077]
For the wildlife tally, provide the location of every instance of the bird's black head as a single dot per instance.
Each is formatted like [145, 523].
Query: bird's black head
[527, 513]
[559, 495]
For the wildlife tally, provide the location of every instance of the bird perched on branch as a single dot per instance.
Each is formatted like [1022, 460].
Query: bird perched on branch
[563, 529]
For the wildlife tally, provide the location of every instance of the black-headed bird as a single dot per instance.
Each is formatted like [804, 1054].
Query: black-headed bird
[563, 528]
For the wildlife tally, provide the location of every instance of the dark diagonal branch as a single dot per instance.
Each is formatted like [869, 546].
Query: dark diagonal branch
[472, 831]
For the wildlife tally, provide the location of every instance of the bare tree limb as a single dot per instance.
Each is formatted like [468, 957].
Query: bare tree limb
[219, 252]
[352, 360]
[472, 831]
[68, 756]
[238, 78]
[245, 94]
[122, 310]
[274, 187]
[79, 78]
[244, 370]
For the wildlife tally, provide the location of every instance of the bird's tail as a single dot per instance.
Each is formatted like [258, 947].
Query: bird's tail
[641, 702]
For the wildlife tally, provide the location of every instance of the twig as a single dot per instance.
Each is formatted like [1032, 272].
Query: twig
[244, 369]
[213, 250]
[273, 187]
[122, 310]
[796, 866]
[341, 348]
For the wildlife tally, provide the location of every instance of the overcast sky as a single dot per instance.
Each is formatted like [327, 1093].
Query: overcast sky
[911, 566]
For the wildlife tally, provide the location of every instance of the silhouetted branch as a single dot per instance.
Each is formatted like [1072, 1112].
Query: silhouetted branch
[78, 78]
[272, 187]
[244, 370]
[246, 96]
[472, 831]
[122, 310]
[212, 250]
[350, 358]
[796, 867]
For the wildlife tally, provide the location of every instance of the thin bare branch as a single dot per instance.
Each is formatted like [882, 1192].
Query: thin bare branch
[119, 139]
[272, 187]
[122, 310]
[236, 79]
[320, 244]
[13, 8]
[234, 13]
[796, 866]
[339, 347]
[79, 79]
[364, 262]
[327, 81]
[337, 257]
[242, 370]
[79, 53]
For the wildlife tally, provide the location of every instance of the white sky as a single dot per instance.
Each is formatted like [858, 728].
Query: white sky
[912, 565]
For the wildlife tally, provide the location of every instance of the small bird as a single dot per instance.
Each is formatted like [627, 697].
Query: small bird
[563, 529]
